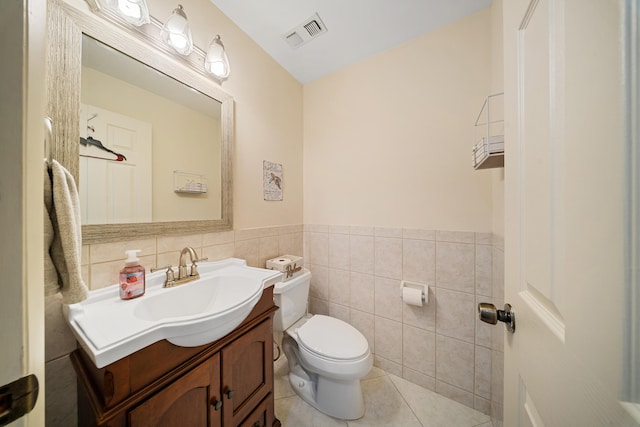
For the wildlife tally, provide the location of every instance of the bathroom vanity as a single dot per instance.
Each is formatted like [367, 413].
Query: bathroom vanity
[228, 382]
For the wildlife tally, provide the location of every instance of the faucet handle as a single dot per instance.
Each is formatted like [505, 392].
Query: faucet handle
[171, 278]
[154, 269]
[194, 267]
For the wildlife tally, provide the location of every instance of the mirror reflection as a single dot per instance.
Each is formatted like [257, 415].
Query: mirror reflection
[150, 146]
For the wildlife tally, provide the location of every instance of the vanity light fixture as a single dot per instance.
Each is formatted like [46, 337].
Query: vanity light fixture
[176, 32]
[132, 15]
[134, 12]
[216, 61]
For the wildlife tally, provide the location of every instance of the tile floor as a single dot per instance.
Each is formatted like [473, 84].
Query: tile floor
[390, 401]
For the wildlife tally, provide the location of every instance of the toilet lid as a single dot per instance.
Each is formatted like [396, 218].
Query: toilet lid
[332, 338]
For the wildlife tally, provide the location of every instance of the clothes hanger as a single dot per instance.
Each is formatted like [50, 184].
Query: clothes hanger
[97, 143]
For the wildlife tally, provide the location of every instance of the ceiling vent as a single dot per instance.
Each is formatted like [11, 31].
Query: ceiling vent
[305, 32]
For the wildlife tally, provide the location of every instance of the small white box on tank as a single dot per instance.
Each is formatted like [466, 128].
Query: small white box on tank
[289, 265]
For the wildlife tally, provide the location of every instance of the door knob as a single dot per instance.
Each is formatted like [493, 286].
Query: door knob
[489, 314]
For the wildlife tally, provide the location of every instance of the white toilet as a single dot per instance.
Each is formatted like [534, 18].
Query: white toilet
[327, 357]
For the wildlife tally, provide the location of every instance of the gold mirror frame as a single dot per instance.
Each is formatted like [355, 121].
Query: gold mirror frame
[66, 26]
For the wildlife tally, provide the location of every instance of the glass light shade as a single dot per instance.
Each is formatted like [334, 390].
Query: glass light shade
[176, 32]
[216, 61]
[134, 12]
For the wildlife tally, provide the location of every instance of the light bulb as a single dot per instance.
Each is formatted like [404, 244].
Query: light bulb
[135, 12]
[178, 41]
[132, 10]
[176, 33]
[218, 68]
[216, 61]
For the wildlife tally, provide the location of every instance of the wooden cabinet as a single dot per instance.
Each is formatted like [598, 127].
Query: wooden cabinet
[260, 415]
[185, 402]
[225, 383]
[247, 374]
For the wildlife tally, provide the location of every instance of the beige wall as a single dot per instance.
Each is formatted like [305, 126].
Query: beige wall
[387, 167]
[387, 141]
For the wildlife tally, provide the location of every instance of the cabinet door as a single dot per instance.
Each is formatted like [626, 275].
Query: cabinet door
[189, 401]
[261, 415]
[247, 373]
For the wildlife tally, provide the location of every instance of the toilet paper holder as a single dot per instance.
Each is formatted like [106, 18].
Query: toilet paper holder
[424, 289]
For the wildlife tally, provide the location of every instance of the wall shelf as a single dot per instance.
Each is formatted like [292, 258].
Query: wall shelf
[488, 134]
[190, 183]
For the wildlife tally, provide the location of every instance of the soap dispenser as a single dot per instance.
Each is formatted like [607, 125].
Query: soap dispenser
[132, 277]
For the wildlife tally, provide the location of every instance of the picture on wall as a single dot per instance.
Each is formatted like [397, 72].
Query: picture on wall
[272, 180]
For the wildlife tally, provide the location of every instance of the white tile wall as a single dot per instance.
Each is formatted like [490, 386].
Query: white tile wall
[441, 346]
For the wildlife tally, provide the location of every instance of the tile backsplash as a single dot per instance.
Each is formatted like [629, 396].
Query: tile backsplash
[102, 262]
[442, 345]
[356, 277]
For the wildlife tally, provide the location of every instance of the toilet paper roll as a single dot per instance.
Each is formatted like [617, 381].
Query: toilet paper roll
[412, 296]
[280, 261]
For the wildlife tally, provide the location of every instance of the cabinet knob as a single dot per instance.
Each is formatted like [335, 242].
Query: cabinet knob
[256, 424]
[217, 404]
[229, 394]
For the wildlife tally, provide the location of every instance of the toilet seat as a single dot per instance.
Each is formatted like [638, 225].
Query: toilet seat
[333, 339]
[333, 349]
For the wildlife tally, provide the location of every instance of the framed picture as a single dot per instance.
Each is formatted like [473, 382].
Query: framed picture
[272, 180]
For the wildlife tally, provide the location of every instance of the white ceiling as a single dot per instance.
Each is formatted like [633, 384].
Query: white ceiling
[356, 29]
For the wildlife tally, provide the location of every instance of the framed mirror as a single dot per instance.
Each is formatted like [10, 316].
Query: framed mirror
[96, 89]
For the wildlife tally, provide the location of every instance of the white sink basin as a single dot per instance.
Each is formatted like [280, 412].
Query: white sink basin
[188, 315]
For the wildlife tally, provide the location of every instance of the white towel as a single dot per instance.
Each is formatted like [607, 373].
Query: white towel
[63, 236]
[51, 285]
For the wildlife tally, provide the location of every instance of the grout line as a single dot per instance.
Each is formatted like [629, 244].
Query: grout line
[405, 401]
[63, 356]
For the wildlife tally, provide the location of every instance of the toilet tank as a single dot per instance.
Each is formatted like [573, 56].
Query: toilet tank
[291, 296]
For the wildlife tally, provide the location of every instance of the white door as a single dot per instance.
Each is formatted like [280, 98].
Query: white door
[22, 24]
[567, 364]
[114, 192]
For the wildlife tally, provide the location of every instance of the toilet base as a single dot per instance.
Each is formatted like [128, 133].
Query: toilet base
[339, 399]
[314, 379]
